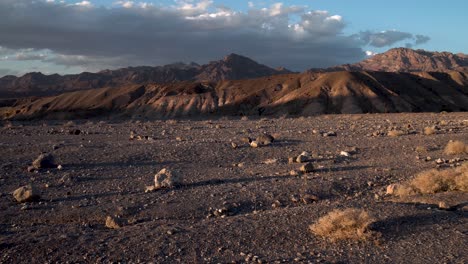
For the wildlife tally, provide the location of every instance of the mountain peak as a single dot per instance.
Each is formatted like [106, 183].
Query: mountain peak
[410, 60]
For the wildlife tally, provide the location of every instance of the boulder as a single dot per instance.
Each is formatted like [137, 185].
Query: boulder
[308, 167]
[44, 161]
[26, 194]
[166, 179]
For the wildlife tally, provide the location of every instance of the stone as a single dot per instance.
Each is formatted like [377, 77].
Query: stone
[246, 140]
[345, 154]
[301, 159]
[132, 135]
[114, 222]
[329, 134]
[31, 169]
[74, 132]
[308, 167]
[44, 161]
[254, 144]
[166, 179]
[291, 160]
[26, 194]
[233, 145]
[265, 139]
[293, 173]
[150, 188]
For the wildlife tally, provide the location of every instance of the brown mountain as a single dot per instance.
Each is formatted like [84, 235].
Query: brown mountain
[232, 67]
[409, 60]
[298, 94]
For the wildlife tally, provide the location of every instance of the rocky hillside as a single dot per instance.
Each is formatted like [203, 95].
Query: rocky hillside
[409, 60]
[296, 94]
[232, 67]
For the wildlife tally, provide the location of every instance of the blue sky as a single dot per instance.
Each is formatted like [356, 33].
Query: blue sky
[73, 36]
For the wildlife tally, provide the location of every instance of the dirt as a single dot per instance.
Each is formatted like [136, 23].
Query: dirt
[234, 204]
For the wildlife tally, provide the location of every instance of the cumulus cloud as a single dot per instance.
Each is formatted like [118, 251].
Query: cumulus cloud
[131, 33]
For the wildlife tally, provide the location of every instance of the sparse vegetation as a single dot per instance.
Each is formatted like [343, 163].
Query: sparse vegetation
[433, 181]
[349, 223]
[456, 147]
[429, 130]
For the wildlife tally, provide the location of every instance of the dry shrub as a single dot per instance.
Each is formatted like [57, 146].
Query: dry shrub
[395, 133]
[339, 224]
[455, 147]
[429, 130]
[420, 149]
[434, 181]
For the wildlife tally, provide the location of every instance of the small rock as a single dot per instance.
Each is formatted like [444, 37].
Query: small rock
[254, 144]
[307, 168]
[391, 189]
[114, 223]
[309, 198]
[233, 145]
[301, 158]
[246, 140]
[150, 188]
[291, 160]
[445, 206]
[31, 169]
[26, 194]
[294, 173]
[166, 179]
[329, 134]
[74, 132]
[345, 154]
[265, 139]
[44, 161]
[60, 167]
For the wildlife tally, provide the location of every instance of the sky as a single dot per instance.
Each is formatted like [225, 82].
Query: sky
[66, 36]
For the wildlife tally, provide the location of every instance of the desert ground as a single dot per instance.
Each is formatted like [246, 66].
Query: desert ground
[233, 204]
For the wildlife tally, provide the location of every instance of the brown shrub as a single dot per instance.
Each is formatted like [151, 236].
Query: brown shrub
[435, 181]
[338, 224]
[395, 133]
[455, 147]
[429, 130]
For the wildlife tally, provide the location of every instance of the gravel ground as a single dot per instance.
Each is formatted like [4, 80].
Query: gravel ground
[234, 205]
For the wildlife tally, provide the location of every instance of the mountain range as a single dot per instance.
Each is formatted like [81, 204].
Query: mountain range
[400, 80]
[231, 67]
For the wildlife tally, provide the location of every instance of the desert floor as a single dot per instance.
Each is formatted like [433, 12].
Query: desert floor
[234, 205]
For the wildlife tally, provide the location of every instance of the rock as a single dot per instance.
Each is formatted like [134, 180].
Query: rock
[254, 144]
[150, 188]
[60, 167]
[132, 135]
[270, 161]
[308, 167]
[445, 206]
[294, 173]
[67, 179]
[345, 154]
[44, 161]
[246, 140]
[166, 179]
[114, 223]
[265, 139]
[233, 145]
[309, 198]
[31, 169]
[301, 159]
[329, 134]
[74, 132]
[26, 194]
[291, 160]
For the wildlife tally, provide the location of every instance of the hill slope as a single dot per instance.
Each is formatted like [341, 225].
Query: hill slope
[298, 94]
[409, 60]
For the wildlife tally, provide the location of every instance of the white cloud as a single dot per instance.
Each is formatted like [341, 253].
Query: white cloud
[84, 3]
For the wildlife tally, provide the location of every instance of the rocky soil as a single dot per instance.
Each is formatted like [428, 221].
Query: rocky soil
[231, 202]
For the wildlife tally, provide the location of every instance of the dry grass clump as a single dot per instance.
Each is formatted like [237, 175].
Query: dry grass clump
[434, 181]
[455, 147]
[395, 133]
[429, 130]
[339, 224]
